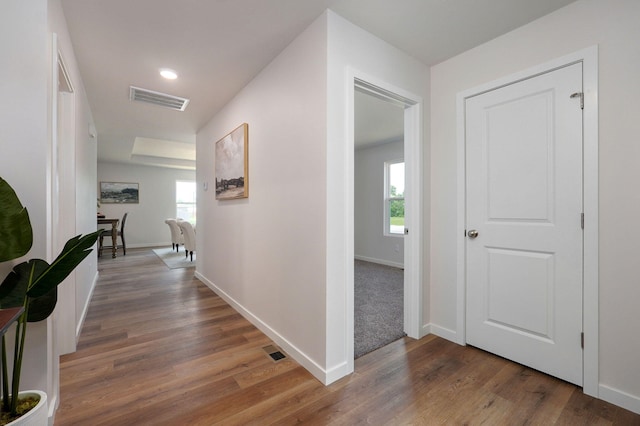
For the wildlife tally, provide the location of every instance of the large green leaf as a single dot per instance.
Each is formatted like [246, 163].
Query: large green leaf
[15, 228]
[41, 307]
[38, 280]
[13, 290]
[74, 252]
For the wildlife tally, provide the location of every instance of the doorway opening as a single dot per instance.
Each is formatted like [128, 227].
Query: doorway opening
[379, 182]
[410, 109]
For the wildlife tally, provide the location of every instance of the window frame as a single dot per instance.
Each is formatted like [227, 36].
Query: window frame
[388, 199]
[193, 204]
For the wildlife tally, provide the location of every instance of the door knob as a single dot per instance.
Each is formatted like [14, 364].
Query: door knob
[472, 234]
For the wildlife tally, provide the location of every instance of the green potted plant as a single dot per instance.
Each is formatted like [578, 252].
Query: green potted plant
[31, 285]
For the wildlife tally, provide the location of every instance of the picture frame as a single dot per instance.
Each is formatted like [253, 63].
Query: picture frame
[232, 164]
[119, 193]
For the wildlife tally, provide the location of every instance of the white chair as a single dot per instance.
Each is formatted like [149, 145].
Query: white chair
[176, 234]
[189, 236]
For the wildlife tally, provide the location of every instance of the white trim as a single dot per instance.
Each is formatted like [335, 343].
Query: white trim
[85, 309]
[349, 225]
[589, 59]
[439, 331]
[620, 398]
[591, 285]
[313, 367]
[412, 104]
[413, 155]
[150, 245]
[379, 261]
[52, 370]
[461, 192]
[64, 185]
[62, 71]
[387, 199]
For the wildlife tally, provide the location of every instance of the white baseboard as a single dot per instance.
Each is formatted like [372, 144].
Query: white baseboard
[85, 308]
[336, 373]
[380, 261]
[606, 393]
[425, 330]
[619, 398]
[149, 245]
[318, 372]
[443, 332]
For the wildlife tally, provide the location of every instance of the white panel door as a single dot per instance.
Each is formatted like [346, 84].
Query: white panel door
[524, 200]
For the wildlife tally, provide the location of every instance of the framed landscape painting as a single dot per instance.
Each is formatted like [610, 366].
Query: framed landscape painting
[119, 193]
[232, 164]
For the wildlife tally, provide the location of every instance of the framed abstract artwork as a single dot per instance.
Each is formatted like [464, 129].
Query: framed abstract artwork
[119, 193]
[232, 164]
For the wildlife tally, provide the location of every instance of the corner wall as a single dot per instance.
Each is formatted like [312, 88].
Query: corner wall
[279, 256]
[25, 146]
[26, 161]
[82, 159]
[612, 25]
[76, 175]
[266, 254]
[351, 49]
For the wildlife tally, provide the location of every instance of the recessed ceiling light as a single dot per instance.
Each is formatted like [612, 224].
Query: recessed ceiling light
[168, 74]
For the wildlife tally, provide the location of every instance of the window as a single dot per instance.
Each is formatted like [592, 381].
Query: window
[186, 200]
[394, 198]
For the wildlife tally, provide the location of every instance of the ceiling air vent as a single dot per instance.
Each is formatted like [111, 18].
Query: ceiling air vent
[157, 98]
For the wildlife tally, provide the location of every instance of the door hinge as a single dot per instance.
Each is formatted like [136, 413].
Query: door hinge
[582, 340]
[582, 220]
[581, 96]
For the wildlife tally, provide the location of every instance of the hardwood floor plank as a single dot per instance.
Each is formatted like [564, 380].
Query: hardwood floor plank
[160, 348]
[263, 413]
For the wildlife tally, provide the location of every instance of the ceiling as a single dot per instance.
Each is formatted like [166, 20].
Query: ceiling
[218, 46]
[376, 121]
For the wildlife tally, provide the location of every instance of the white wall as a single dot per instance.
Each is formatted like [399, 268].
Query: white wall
[370, 242]
[613, 26]
[266, 254]
[25, 162]
[77, 173]
[145, 225]
[84, 153]
[352, 49]
[269, 254]
[24, 143]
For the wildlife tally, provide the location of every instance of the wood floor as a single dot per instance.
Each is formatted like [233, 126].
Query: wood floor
[160, 348]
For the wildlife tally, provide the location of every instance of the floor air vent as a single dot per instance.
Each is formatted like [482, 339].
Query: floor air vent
[274, 353]
[157, 98]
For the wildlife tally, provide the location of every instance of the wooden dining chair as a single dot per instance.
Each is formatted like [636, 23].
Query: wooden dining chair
[107, 233]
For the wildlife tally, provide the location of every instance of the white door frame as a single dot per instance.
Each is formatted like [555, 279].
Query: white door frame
[61, 325]
[589, 59]
[413, 107]
[65, 185]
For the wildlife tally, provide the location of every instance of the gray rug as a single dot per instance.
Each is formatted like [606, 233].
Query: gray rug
[378, 307]
[175, 260]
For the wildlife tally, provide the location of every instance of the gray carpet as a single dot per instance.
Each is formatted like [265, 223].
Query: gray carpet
[379, 306]
[175, 260]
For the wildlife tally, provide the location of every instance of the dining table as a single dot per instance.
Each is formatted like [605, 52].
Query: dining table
[114, 234]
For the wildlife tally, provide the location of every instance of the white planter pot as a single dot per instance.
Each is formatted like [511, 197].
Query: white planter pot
[38, 415]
